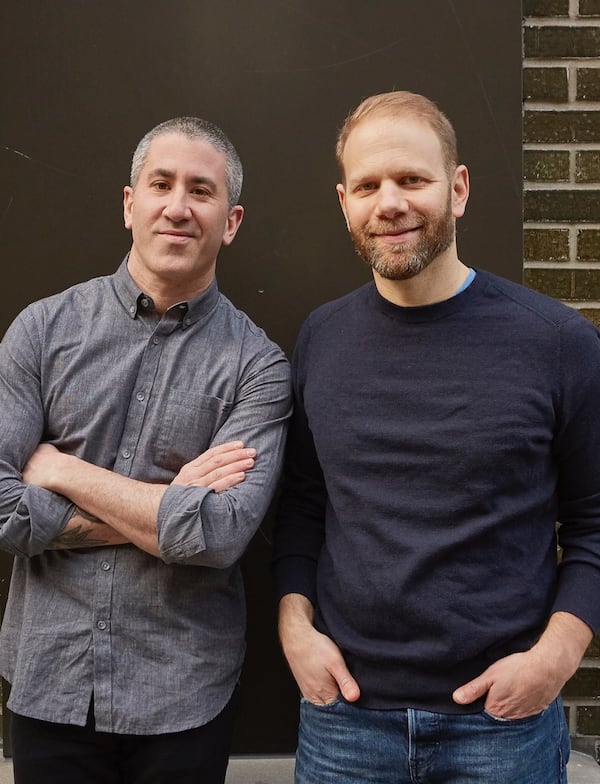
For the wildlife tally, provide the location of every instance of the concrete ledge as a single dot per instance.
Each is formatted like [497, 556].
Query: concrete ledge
[583, 769]
[280, 770]
[260, 770]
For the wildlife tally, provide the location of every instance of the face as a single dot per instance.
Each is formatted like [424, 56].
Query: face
[399, 202]
[179, 217]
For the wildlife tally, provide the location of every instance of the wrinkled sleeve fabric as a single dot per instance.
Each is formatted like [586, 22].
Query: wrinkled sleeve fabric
[30, 517]
[577, 454]
[197, 526]
[300, 521]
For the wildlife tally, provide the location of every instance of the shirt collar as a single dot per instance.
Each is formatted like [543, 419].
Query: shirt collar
[134, 300]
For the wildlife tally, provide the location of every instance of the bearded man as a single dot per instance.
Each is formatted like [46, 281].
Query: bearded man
[445, 419]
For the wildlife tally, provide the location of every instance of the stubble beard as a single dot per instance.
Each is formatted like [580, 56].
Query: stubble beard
[397, 262]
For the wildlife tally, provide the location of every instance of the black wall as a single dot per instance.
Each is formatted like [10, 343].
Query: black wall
[81, 82]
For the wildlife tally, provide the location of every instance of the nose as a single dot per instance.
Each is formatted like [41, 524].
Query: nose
[391, 200]
[177, 208]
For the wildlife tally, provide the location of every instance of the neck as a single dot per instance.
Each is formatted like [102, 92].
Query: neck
[168, 289]
[437, 282]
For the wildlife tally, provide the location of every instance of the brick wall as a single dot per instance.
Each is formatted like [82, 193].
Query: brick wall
[561, 134]
[561, 166]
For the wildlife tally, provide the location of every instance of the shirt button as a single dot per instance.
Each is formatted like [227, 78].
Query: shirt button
[126, 454]
[155, 341]
[105, 566]
[144, 302]
[101, 625]
[140, 396]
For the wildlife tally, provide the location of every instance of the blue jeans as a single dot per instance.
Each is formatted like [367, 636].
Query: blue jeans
[343, 744]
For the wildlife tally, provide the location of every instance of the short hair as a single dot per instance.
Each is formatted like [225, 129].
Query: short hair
[401, 104]
[194, 128]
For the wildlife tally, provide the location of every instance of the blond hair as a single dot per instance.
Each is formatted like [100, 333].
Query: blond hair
[397, 105]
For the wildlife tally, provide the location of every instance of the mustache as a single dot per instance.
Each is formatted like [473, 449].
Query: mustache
[387, 227]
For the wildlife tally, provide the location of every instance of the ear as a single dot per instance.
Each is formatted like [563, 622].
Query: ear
[341, 192]
[234, 220]
[127, 205]
[460, 191]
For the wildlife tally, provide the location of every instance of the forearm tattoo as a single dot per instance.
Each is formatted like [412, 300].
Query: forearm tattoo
[78, 536]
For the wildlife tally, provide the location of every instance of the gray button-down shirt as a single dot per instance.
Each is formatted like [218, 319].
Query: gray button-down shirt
[94, 371]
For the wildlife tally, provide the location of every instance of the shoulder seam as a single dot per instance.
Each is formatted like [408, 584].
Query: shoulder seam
[567, 312]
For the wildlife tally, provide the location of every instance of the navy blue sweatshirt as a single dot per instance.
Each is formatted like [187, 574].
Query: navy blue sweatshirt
[431, 453]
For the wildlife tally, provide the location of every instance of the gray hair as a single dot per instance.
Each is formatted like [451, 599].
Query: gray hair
[194, 128]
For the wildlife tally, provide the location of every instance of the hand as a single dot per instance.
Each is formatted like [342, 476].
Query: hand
[219, 468]
[41, 464]
[524, 684]
[314, 659]
[320, 670]
[517, 686]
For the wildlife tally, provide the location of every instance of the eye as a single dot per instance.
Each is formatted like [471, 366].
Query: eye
[200, 190]
[366, 187]
[413, 179]
[160, 185]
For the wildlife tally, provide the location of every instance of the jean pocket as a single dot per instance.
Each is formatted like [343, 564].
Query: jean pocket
[325, 707]
[525, 720]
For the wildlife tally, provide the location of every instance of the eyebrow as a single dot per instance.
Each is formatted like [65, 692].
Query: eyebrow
[169, 174]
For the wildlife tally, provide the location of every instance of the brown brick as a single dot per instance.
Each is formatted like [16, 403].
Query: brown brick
[589, 7]
[575, 206]
[546, 7]
[586, 285]
[588, 245]
[546, 244]
[555, 42]
[546, 165]
[587, 165]
[562, 127]
[588, 84]
[585, 684]
[546, 84]
[593, 314]
[554, 282]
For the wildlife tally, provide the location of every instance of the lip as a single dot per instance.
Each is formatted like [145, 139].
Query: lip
[179, 237]
[398, 235]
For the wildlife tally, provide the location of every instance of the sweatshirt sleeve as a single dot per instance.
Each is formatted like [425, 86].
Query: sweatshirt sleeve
[300, 522]
[577, 455]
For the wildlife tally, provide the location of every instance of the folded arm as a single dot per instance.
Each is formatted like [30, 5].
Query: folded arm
[119, 510]
[187, 521]
[211, 509]
[205, 528]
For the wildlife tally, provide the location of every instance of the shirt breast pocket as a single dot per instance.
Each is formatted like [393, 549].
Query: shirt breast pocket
[188, 422]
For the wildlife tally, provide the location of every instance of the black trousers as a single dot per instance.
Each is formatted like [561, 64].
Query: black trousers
[48, 753]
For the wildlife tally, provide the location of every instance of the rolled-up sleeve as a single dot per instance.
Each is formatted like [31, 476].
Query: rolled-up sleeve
[200, 527]
[30, 517]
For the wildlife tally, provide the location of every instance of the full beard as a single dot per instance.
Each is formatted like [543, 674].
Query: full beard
[397, 261]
